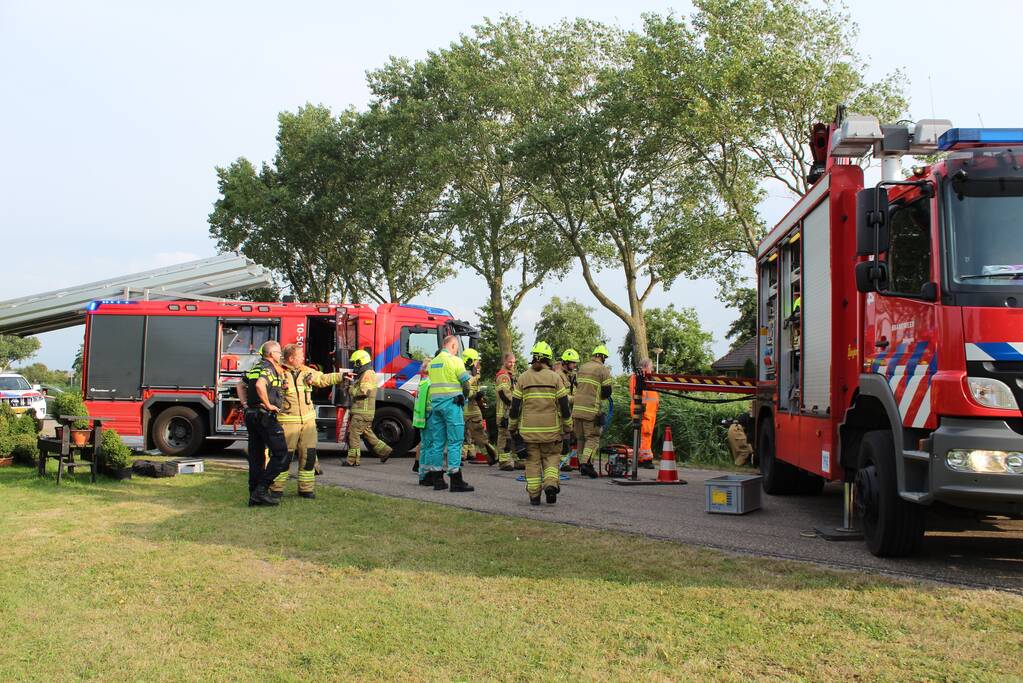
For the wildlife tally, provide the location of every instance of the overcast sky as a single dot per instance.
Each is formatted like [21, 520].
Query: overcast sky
[115, 113]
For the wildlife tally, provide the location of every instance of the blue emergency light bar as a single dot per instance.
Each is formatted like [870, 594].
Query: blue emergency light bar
[432, 310]
[953, 137]
[93, 305]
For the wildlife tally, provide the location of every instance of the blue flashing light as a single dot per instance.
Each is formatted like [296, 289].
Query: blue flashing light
[432, 310]
[980, 136]
[93, 305]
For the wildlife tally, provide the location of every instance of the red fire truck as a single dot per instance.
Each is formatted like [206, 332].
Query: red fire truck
[166, 371]
[890, 319]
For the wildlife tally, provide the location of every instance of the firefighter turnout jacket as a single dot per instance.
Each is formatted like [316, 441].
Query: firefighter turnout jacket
[540, 410]
[364, 392]
[297, 392]
[593, 386]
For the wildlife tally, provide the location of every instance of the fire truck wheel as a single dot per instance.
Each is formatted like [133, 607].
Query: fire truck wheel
[178, 431]
[394, 426]
[779, 477]
[892, 527]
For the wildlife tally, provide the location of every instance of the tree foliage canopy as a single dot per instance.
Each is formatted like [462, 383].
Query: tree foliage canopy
[685, 344]
[568, 324]
[14, 349]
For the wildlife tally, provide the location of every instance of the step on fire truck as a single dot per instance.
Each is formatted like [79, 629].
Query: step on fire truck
[890, 345]
[167, 371]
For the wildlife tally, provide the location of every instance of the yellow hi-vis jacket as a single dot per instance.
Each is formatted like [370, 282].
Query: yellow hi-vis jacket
[540, 411]
[298, 392]
[447, 374]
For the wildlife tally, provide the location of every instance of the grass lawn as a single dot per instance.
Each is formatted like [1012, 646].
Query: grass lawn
[176, 579]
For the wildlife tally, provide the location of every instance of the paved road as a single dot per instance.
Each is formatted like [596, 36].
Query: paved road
[958, 549]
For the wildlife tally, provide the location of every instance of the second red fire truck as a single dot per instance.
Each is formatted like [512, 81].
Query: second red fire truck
[890, 345]
[166, 371]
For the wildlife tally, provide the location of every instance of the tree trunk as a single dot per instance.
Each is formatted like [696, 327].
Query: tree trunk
[637, 325]
[501, 319]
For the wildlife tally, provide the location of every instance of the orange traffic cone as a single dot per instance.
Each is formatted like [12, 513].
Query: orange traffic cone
[573, 460]
[667, 473]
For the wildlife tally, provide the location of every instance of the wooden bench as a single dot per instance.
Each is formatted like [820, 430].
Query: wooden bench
[63, 451]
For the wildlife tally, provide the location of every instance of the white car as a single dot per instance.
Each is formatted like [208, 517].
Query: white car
[22, 396]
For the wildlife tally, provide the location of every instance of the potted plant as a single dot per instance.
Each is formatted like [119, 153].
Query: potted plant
[71, 403]
[117, 457]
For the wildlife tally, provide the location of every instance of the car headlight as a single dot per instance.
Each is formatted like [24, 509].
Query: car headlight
[992, 393]
[985, 462]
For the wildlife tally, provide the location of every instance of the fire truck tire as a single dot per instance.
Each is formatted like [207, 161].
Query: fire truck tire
[892, 527]
[178, 431]
[779, 478]
[394, 427]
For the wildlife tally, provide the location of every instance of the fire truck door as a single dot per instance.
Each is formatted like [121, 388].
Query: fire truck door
[900, 325]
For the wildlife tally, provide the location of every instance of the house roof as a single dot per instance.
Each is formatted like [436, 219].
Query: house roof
[737, 357]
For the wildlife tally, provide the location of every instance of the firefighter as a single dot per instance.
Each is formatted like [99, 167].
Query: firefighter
[588, 416]
[420, 413]
[476, 436]
[651, 401]
[445, 427]
[505, 386]
[566, 367]
[540, 413]
[364, 401]
[298, 418]
[260, 395]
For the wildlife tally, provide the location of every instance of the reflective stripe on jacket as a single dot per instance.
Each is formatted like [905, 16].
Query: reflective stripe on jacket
[593, 380]
[539, 417]
[447, 373]
[298, 392]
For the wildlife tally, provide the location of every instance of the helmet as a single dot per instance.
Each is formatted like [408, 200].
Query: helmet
[470, 355]
[360, 357]
[601, 350]
[570, 356]
[543, 349]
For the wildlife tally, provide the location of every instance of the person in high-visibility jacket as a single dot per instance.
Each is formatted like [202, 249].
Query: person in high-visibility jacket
[298, 418]
[364, 402]
[449, 388]
[540, 413]
[567, 368]
[505, 385]
[260, 396]
[420, 411]
[651, 401]
[588, 414]
[476, 436]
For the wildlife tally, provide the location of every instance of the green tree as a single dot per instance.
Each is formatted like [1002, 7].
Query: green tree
[743, 328]
[38, 373]
[566, 323]
[14, 349]
[466, 98]
[491, 353]
[611, 176]
[686, 344]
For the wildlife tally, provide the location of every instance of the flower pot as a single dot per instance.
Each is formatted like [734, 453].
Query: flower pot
[59, 431]
[80, 437]
[7, 462]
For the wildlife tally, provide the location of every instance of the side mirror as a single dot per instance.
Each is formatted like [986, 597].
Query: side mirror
[929, 291]
[871, 276]
[871, 216]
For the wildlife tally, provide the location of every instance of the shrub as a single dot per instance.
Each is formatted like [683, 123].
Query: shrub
[7, 415]
[24, 448]
[70, 403]
[25, 424]
[115, 454]
[697, 433]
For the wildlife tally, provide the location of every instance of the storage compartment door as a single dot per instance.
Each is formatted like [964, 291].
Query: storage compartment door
[115, 357]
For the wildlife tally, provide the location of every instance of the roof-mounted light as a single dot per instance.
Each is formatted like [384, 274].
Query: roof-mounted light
[957, 138]
[856, 136]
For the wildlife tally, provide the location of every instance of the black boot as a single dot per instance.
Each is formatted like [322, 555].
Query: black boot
[306, 494]
[427, 479]
[534, 500]
[491, 455]
[588, 470]
[552, 494]
[277, 495]
[415, 466]
[262, 497]
[438, 482]
[458, 484]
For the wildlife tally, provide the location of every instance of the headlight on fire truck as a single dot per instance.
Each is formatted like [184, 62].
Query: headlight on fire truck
[992, 393]
[986, 462]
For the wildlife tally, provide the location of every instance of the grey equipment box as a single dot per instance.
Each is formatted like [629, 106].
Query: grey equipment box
[189, 465]
[733, 494]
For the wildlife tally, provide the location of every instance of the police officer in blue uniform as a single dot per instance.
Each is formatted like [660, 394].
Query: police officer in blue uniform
[261, 396]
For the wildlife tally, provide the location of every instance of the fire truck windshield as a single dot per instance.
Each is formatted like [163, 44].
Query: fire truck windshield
[985, 230]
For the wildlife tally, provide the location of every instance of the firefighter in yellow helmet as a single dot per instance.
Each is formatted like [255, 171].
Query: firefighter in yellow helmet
[588, 413]
[567, 369]
[541, 415]
[364, 400]
[475, 433]
[505, 385]
[298, 418]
